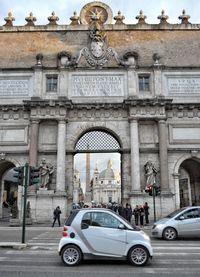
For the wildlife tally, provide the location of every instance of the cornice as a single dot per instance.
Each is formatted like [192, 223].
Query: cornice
[107, 27]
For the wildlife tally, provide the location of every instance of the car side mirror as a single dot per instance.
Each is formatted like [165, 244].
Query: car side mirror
[84, 226]
[121, 226]
[181, 217]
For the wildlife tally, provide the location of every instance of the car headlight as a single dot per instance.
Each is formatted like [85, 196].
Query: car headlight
[158, 226]
[146, 237]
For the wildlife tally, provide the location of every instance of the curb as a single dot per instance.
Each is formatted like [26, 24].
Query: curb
[14, 245]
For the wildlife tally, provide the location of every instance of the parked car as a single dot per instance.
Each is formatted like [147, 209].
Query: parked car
[94, 233]
[184, 222]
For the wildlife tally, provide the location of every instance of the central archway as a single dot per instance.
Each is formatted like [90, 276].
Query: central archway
[97, 168]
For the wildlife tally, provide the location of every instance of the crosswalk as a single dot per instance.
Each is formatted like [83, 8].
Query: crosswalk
[174, 258]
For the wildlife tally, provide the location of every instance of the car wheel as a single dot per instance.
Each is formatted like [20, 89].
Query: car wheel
[138, 255]
[71, 255]
[169, 233]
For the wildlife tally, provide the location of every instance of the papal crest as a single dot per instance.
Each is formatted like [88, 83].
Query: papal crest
[97, 48]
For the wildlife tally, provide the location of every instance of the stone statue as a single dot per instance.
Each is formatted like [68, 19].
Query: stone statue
[45, 171]
[150, 173]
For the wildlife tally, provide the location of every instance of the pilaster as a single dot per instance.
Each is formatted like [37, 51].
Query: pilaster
[132, 82]
[163, 155]
[61, 156]
[135, 162]
[33, 150]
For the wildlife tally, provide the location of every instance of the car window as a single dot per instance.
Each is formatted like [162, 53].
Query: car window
[171, 215]
[71, 217]
[101, 219]
[193, 213]
[86, 218]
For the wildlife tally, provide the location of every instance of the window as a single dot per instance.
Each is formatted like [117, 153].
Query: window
[144, 83]
[101, 219]
[194, 213]
[52, 83]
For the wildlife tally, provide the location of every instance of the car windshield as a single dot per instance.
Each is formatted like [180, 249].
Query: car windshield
[132, 226]
[175, 213]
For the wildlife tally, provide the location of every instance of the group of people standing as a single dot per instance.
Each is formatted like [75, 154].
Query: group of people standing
[140, 213]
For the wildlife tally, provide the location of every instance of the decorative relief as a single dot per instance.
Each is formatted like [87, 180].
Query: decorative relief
[14, 86]
[183, 84]
[98, 11]
[148, 112]
[94, 85]
[100, 113]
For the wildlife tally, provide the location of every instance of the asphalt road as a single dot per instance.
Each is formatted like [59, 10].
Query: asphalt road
[177, 258]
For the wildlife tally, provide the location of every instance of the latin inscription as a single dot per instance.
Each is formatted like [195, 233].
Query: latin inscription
[14, 87]
[184, 85]
[97, 85]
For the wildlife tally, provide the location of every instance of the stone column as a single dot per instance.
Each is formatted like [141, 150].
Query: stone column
[164, 175]
[135, 161]
[33, 150]
[61, 156]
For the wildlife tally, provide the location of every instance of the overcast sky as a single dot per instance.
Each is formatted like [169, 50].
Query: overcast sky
[129, 8]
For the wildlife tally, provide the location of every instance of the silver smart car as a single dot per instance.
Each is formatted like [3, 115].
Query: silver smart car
[101, 233]
[184, 222]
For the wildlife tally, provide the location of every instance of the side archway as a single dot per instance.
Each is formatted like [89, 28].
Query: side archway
[8, 188]
[187, 185]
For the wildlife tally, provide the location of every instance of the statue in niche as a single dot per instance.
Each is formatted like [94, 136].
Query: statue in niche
[46, 170]
[150, 173]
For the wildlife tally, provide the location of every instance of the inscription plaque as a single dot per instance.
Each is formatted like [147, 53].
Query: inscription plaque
[14, 86]
[95, 85]
[183, 84]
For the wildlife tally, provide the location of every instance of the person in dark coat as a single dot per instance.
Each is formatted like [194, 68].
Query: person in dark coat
[56, 215]
[146, 212]
[141, 214]
[136, 214]
[128, 212]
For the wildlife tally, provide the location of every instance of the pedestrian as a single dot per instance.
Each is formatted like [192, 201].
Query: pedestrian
[128, 212]
[141, 214]
[56, 215]
[136, 214]
[146, 212]
[120, 210]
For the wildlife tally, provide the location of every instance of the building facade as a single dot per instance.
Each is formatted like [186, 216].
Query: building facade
[129, 88]
[106, 186]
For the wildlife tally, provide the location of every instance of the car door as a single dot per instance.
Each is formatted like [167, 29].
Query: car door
[103, 235]
[189, 222]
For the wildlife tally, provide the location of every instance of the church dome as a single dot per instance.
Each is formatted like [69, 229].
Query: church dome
[108, 173]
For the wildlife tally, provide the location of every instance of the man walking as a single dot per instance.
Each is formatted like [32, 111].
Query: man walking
[56, 215]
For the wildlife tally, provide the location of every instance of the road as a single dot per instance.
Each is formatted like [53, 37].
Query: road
[40, 258]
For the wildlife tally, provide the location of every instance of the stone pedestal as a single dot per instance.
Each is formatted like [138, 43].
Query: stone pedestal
[29, 221]
[43, 203]
[14, 222]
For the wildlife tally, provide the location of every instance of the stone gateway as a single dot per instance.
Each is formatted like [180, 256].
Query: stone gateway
[136, 83]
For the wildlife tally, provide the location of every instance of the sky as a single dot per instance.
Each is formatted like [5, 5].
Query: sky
[64, 9]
